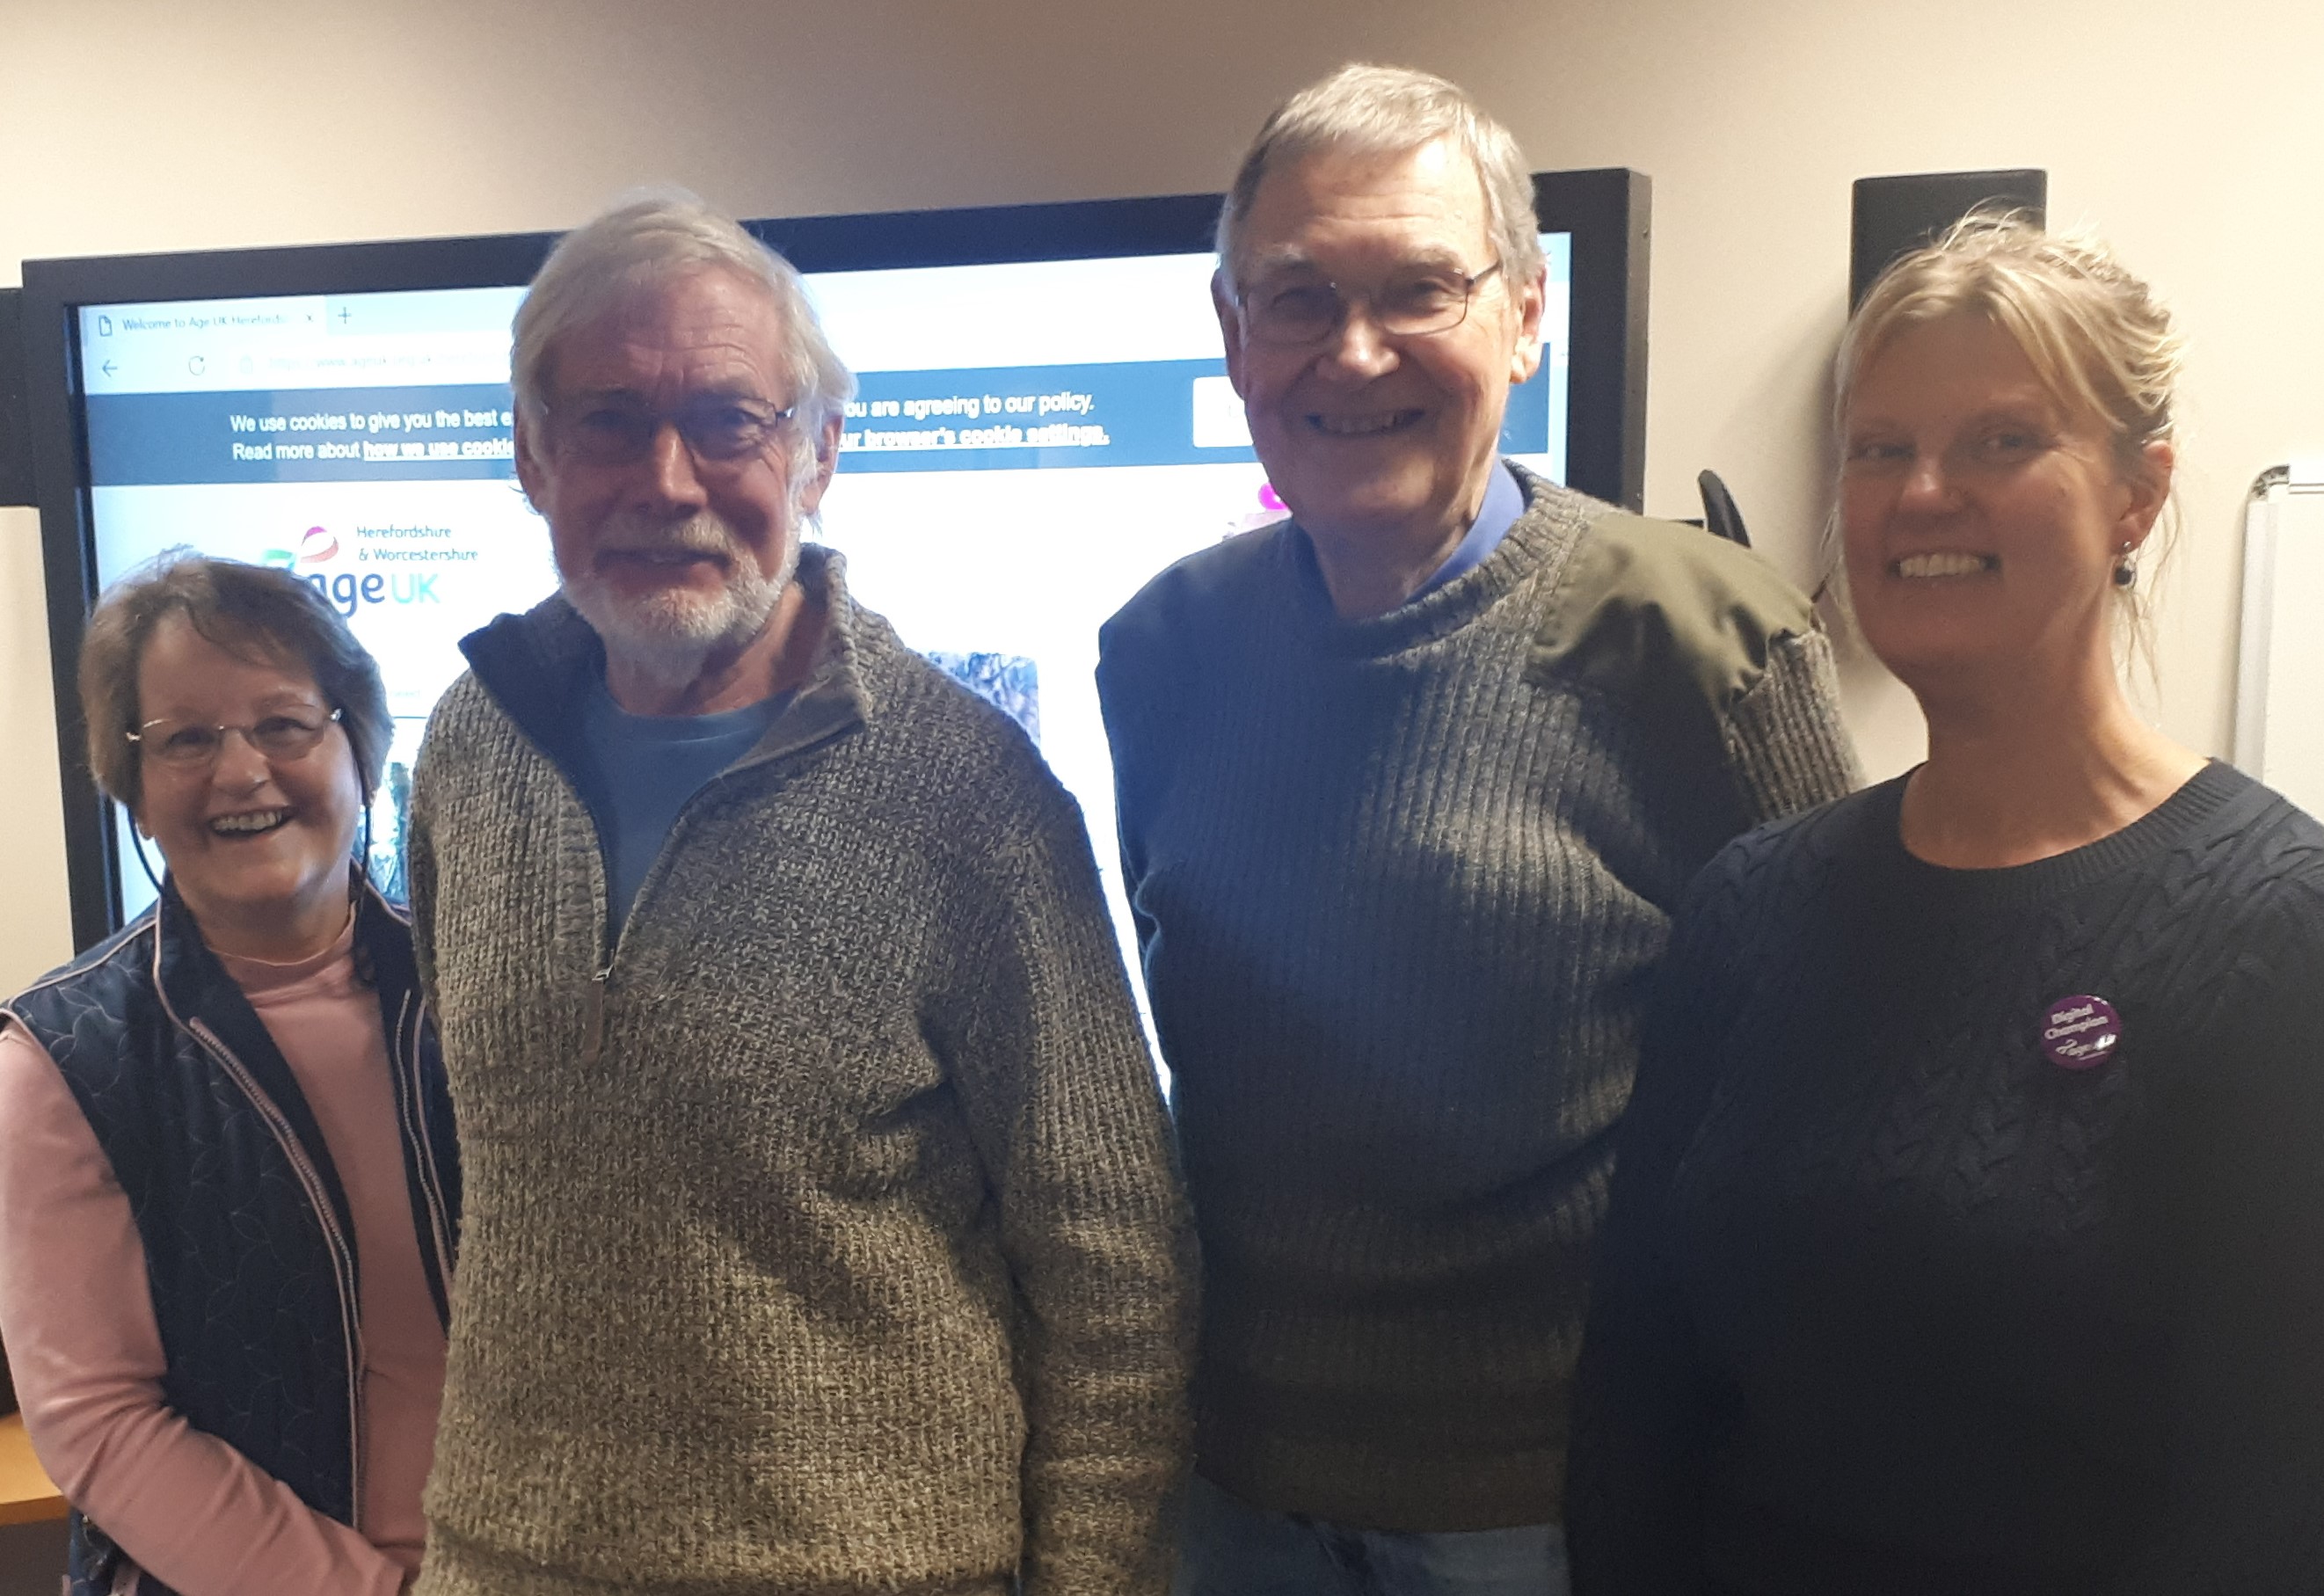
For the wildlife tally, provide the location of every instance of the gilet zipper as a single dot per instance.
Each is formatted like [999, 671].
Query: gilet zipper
[341, 1254]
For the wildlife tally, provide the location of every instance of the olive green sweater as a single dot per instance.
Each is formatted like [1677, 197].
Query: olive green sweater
[823, 1236]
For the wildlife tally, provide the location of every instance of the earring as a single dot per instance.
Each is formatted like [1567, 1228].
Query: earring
[2126, 569]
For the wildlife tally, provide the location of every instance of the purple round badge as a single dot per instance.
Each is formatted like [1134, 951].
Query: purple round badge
[2078, 1032]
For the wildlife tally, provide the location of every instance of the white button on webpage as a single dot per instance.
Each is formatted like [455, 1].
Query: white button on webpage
[1219, 421]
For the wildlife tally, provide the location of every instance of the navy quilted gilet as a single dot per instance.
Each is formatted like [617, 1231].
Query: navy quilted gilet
[249, 1246]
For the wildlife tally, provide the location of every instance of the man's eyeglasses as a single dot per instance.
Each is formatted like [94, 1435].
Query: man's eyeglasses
[281, 737]
[1296, 308]
[717, 430]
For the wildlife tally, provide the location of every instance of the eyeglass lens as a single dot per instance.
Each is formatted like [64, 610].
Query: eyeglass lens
[284, 737]
[1301, 309]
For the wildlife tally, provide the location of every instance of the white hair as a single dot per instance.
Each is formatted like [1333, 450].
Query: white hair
[1387, 110]
[642, 243]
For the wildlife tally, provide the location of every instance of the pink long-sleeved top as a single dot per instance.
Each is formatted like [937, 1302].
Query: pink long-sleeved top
[86, 1350]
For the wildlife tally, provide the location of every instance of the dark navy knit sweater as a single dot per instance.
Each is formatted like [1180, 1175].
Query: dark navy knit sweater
[1896, 1298]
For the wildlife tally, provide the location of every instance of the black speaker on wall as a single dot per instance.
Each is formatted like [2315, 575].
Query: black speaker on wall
[1895, 215]
[15, 418]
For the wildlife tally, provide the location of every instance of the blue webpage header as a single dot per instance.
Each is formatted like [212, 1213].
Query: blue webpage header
[1171, 412]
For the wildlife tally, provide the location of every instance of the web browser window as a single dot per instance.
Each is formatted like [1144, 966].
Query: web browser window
[1032, 441]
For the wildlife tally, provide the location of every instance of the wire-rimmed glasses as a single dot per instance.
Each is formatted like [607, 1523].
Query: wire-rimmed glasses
[282, 737]
[1295, 307]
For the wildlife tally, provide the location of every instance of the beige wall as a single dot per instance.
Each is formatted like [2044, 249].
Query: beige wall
[135, 127]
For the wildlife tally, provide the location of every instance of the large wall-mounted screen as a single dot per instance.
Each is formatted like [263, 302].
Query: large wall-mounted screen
[1033, 439]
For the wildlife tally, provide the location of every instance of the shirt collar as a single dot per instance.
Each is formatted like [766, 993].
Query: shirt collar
[1504, 502]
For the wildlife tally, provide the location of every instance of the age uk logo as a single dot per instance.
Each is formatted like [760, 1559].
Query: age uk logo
[350, 591]
[317, 548]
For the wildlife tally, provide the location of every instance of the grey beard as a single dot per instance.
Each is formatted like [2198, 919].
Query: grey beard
[669, 638]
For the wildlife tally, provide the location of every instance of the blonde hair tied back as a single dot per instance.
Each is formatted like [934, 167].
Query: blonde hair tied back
[2098, 337]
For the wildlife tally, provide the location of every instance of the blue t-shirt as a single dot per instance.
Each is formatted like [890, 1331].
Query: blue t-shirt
[639, 770]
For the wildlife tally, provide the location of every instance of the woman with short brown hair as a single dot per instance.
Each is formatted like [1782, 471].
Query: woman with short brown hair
[228, 1188]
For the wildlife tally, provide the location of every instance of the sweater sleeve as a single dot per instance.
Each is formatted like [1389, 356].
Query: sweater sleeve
[77, 1316]
[1641, 1413]
[1062, 1099]
[1785, 744]
[1136, 723]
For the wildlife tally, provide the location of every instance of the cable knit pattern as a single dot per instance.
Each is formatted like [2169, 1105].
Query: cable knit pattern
[827, 1240]
[1889, 1301]
[1399, 883]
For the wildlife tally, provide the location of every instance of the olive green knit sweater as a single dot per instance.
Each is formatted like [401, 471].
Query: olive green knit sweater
[823, 1237]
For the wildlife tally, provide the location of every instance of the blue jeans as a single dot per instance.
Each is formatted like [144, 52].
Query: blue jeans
[1227, 1547]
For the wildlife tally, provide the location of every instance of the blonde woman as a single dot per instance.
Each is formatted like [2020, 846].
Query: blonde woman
[1968, 1228]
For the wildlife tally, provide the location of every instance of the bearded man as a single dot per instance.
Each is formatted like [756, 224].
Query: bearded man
[824, 1234]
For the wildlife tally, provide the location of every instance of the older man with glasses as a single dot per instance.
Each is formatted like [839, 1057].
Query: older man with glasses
[824, 1234]
[1409, 785]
